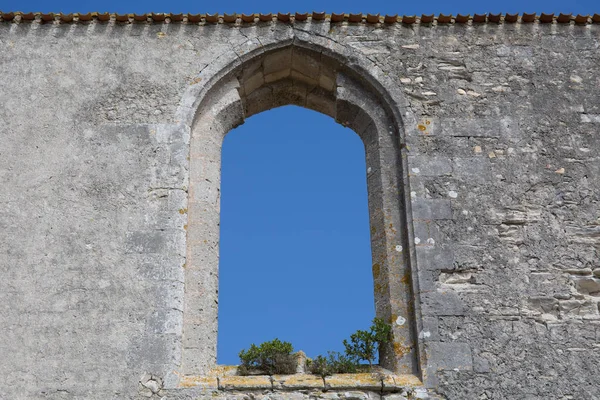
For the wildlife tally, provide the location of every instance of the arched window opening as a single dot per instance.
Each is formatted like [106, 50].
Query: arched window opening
[295, 247]
[309, 78]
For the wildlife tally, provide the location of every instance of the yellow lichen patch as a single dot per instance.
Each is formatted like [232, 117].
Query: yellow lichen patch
[377, 288]
[245, 382]
[400, 350]
[203, 381]
[422, 127]
[185, 227]
[195, 81]
[407, 380]
[347, 381]
[223, 370]
[161, 35]
[297, 381]
[405, 279]
[182, 211]
[376, 270]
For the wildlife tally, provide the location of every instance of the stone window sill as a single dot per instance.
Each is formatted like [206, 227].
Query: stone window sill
[224, 378]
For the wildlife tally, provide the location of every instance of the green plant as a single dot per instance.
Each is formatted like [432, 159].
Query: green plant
[274, 357]
[334, 363]
[364, 344]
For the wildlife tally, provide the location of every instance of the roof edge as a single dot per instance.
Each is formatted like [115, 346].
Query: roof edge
[370, 19]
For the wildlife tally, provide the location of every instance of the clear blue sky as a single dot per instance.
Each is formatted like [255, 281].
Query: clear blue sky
[295, 247]
[365, 6]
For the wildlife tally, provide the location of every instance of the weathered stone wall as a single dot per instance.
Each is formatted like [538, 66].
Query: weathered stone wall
[499, 136]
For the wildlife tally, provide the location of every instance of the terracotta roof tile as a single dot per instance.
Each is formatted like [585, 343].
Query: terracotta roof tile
[479, 18]
[546, 18]
[528, 17]
[444, 19]
[390, 19]
[462, 19]
[297, 17]
[176, 17]
[140, 18]
[337, 17]
[564, 18]
[28, 17]
[427, 19]
[319, 16]
[84, 17]
[373, 18]
[283, 17]
[410, 19]
[265, 17]
[301, 16]
[494, 17]
[158, 17]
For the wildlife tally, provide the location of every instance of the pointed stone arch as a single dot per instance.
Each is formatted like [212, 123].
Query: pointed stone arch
[332, 80]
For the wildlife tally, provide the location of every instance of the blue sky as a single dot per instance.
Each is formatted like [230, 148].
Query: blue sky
[295, 247]
[370, 6]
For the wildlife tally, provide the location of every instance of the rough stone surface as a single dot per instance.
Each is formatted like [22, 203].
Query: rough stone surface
[482, 152]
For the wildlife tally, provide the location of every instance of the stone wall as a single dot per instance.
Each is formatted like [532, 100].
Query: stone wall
[493, 181]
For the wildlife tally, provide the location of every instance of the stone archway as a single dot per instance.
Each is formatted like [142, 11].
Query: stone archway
[307, 75]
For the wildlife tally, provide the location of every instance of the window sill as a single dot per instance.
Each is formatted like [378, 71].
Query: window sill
[223, 378]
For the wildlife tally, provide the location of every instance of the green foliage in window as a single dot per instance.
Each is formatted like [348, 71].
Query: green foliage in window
[363, 345]
[274, 357]
[334, 363]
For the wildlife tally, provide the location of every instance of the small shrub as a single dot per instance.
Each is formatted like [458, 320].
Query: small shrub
[364, 344]
[335, 363]
[274, 357]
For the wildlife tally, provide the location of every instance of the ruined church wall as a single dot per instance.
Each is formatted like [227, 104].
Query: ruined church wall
[501, 140]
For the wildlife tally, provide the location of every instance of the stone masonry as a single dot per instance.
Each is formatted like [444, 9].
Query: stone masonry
[482, 141]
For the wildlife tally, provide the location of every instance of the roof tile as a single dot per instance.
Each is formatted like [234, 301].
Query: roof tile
[427, 19]
[409, 19]
[462, 19]
[479, 18]
[337, 17]
[444, 19]
[528, 17]
[248, 18]
[373, 18]
[390, 19]
[319, 16]
[195, 18]
[564, 18]
[283, 17]
[495, 17]
[546, 18]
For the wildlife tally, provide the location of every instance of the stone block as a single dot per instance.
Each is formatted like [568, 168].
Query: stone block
[447, 356]
[429, 166]
[428, 209]
[277, 61]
